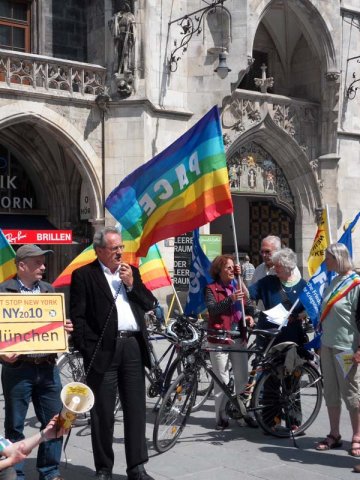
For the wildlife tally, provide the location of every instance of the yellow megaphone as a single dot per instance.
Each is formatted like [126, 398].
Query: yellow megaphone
[76, 398]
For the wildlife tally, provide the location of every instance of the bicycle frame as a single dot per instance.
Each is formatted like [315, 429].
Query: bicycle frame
[225, 388]
[156, 375]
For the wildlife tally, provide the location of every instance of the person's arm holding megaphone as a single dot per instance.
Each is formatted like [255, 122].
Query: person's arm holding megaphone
[17, 452]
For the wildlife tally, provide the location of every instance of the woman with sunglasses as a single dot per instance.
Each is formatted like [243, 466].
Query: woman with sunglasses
[223, 298]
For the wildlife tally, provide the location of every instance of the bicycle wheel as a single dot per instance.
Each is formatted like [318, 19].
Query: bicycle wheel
[174, 411]
[71, 369]
[205, 385]
[287, 405]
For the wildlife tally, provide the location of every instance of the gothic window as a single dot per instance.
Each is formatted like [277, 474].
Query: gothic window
[15, 25]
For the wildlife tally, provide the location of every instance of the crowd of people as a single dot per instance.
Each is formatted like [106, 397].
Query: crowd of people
[108, 301]
[277, 280]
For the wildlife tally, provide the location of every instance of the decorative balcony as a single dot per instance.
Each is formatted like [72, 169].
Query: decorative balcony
[48, 75]
[298, 118]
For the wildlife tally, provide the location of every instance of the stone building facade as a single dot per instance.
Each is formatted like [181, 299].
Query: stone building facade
[87, 94]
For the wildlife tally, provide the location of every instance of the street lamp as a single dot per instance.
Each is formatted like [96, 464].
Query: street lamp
[190, 25]
[222, 69]
[351, 91]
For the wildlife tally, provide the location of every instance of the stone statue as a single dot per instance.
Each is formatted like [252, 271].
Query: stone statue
[122, 27]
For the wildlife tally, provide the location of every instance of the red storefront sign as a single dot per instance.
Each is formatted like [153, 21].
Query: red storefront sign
[48, 237]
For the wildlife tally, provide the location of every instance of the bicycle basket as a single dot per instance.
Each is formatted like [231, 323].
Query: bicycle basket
[182, 333]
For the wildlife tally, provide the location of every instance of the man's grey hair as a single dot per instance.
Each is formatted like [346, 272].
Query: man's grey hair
[275, 241]
[99, 240]
[286, 258]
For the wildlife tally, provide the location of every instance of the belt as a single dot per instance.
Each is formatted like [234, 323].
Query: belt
[126, 333]
[47, 360]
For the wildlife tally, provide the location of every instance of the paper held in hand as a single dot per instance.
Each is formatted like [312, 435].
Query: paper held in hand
[277, 315]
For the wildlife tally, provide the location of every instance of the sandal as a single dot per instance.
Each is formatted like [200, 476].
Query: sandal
[355, 448]
[329, 443]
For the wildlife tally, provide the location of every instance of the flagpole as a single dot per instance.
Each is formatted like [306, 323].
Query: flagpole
[238, 262]
[177, 299]
[328, 223]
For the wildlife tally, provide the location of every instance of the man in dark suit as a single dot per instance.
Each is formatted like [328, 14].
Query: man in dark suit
[107, 305]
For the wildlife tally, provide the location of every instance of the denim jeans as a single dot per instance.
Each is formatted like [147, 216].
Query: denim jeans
[41, 385]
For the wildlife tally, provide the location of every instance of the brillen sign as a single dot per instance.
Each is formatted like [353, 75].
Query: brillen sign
[48, 237]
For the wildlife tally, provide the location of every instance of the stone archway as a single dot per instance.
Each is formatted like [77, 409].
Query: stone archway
[303, 183]
[58, 160]
[316, 26]
[47, 121]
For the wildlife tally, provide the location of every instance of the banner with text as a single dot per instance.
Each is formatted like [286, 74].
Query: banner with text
[182, 261]
[32, 323]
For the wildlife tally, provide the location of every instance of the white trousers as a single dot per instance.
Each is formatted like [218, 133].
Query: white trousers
[221, 363]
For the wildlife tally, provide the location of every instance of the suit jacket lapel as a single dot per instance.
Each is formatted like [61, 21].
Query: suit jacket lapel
[100, 279]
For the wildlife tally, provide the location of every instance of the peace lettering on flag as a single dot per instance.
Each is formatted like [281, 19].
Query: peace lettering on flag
[182, 188]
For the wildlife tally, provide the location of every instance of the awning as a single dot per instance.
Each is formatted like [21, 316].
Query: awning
[21, 229]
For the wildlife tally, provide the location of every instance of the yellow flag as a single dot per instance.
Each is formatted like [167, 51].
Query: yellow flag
[320, 243]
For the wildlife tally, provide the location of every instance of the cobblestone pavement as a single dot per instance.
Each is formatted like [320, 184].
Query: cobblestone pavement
[203, 453]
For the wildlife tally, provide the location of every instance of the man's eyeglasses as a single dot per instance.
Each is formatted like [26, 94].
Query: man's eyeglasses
[265, 252]
[115, 249]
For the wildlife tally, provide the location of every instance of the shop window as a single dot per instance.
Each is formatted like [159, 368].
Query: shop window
[15, 25]
[17, 192]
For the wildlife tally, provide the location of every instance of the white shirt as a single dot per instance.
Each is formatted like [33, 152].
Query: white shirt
[260, 272]
[126, 319]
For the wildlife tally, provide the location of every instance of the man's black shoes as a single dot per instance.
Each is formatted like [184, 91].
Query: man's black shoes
[138, 473]
[139, 476]
[103, 476]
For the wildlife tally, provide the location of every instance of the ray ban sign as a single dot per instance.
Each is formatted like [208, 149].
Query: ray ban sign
[52, 237]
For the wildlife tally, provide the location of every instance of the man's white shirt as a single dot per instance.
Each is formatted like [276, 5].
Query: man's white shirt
[126, 319]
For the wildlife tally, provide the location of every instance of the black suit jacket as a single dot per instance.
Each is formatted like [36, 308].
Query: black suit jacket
[90, 303]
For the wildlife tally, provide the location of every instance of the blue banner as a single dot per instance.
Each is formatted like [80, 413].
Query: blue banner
[199, 278]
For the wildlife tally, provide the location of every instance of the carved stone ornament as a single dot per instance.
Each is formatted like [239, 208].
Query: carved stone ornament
[314, 164]
[332, 76]
[283, 119]
[102, 100]
[264, 82]
[240, 114]
[124, 84]
[123, 28]
[299, 119]
[253, 171]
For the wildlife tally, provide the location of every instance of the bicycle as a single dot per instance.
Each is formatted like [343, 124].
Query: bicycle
[284, 403]
[159, 377]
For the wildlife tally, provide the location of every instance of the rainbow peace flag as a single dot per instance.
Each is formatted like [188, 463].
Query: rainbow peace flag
[153, 270]
[182, 188]
[86, 256]
[7, 259]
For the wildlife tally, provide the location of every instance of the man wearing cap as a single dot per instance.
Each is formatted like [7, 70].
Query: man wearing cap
[32, 377]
